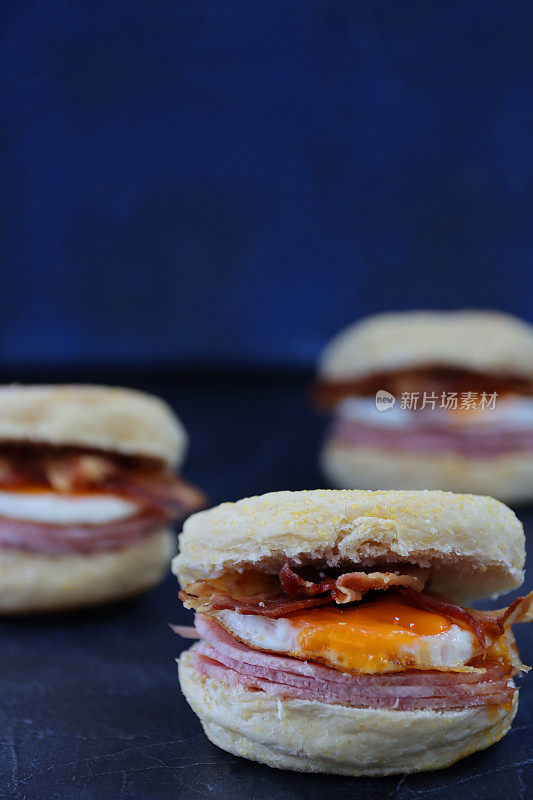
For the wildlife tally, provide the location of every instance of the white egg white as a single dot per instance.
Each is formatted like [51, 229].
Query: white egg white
[509, 414]
[54, 508]
[452, 648]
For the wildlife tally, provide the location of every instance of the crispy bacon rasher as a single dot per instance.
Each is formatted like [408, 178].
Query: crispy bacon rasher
[160, 497]
[276, 596]
[428, 378]
[351, 586]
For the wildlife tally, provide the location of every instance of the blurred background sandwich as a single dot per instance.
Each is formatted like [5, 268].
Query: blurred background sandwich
[88, 494]
[431, 400]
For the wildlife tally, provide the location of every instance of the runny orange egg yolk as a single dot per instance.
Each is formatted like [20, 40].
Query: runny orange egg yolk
[372, 637]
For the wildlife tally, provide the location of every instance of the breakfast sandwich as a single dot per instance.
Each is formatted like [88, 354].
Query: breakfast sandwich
[333, 631]
[88, 494]
[431, 400]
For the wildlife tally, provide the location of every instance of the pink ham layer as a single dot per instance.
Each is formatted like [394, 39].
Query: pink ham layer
[38, 537]
[474, 444]
[222, 657]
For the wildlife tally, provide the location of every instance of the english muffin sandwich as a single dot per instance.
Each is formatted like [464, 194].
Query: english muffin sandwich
[88, 495]
[431, 400]
[333, 635]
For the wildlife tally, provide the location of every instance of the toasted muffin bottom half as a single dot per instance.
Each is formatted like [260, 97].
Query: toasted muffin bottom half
[507, 477]
[310, 736]
[35, 582]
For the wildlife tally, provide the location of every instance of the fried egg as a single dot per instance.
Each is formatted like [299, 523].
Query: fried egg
[62, 509]
[384, 635]
[508, 414]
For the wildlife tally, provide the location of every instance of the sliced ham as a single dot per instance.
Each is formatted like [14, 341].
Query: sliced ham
[64, 539]
[499, 692]
[221, 657]
[185, 631]
[472, 443]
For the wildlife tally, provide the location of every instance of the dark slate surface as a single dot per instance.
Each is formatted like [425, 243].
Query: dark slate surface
[90, 707]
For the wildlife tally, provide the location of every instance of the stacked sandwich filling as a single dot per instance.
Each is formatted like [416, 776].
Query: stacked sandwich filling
[61, 500]
[470, 414]
[366, 639]
[508, 428]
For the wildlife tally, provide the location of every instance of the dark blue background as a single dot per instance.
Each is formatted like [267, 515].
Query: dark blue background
[194, 182]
